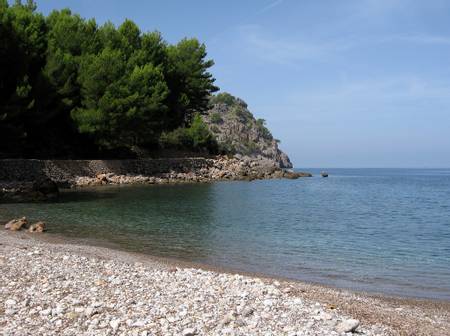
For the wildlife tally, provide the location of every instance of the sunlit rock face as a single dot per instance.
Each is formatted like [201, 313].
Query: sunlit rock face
[237, 131]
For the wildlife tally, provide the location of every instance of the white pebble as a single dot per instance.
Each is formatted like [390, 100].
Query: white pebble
[114, 324]
[189, 332]
[347, 326]
[10, 302]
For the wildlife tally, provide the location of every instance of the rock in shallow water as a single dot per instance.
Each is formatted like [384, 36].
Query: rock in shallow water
[37, 227]
[16, 224]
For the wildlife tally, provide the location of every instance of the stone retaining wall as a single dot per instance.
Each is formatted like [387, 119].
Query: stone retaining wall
[62, 171]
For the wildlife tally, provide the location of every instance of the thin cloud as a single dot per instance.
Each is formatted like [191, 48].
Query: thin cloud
[270, 6]
[422, 39]
[280, 50]
[287, 51]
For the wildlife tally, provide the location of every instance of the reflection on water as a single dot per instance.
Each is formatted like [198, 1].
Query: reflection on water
[376, 230]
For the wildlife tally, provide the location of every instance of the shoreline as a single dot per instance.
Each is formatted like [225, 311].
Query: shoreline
[395, 315]
[28, 180]
[55, 238]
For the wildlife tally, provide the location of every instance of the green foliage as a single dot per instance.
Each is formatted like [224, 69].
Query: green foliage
[216, 118]
[178, 139]
[196, 137]
[226, 147]
[241, 113]
[190, 82]
[130, 37]
[64, 79]
[22, 54]
[261, 124]
[199, 132]
[249, 148]
[119, 107]
[223, 98]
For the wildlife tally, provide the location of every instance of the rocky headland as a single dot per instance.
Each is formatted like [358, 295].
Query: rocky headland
[238, 132]
[249, 150]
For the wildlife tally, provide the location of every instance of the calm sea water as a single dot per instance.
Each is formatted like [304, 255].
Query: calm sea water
[379, 230]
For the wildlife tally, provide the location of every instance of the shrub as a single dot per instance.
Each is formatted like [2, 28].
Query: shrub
[196, 137]
[249, 148]
[178, 138]
[261, 125]
[227, 148]
[243, 114]
[216, 118]
[222, 98]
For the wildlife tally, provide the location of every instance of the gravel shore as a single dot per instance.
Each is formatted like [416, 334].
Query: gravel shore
[50, 288]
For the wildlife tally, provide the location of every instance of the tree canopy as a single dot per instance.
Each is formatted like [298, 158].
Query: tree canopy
[69, 87]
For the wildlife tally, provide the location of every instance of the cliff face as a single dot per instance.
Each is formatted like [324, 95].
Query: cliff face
[237, 131]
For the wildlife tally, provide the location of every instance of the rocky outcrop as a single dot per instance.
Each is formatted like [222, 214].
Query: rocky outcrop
[41, 189]
[219, 168]
[250, 151]
[237, 131]
[37, 180]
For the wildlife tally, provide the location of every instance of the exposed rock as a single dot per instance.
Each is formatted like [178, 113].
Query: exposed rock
[74, 173]
[38, 227]
[219, 168]
[46, 187]
[295, 175]
[16, 224]
[237, 131]
[347, 326]
[42, 189]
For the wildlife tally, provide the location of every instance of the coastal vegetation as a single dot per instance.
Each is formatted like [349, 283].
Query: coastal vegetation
[71, 88]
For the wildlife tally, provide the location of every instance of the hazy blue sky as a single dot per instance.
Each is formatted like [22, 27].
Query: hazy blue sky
[350, 83]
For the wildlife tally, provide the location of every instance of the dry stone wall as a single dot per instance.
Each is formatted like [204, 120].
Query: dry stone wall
[63, 171]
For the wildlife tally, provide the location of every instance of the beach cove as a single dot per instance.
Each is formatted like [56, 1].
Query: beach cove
[145, 254]
[380, 231]
[51, 287]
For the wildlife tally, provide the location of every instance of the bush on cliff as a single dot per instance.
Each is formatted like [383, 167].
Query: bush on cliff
[222, 98]
[261, 125]
[197, 137]
[216, 118]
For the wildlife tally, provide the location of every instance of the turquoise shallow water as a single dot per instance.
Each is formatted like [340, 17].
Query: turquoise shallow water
[379, 230]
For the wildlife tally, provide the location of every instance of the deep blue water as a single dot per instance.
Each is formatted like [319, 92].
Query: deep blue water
[379, 230]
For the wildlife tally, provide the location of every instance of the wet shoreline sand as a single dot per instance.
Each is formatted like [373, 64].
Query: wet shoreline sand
[389, 315]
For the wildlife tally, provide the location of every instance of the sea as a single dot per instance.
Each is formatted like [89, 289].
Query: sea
[383, 231]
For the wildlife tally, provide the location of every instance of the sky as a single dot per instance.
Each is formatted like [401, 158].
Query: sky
[349, 83]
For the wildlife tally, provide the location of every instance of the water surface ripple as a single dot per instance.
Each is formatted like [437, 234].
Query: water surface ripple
[379, 230]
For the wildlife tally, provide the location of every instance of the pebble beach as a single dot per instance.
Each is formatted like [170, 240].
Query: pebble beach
[51, 287]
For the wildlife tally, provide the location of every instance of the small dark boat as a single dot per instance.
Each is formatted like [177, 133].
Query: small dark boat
[324, 174]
